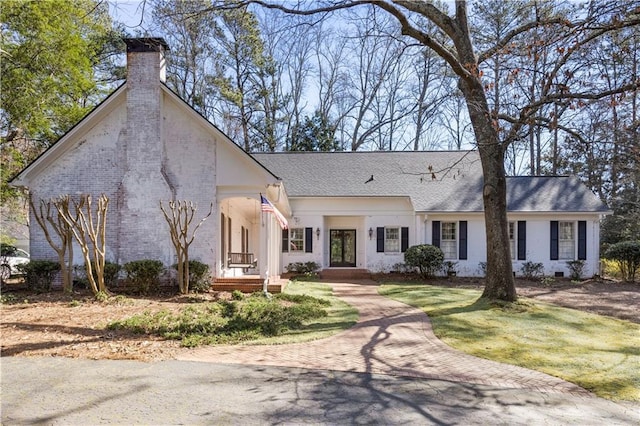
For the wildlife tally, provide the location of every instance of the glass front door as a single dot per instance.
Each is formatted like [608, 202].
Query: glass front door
[343, 248]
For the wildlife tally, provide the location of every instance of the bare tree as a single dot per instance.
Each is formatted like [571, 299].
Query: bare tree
[89, 230]
[494, 132]
[63, 245]
[191, 56]
[179, 219]
[429, 96]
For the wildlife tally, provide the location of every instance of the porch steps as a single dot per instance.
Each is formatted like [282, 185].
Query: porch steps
[345, 274]
[250, 284]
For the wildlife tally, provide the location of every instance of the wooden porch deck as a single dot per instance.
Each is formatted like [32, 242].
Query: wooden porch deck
[248, 284]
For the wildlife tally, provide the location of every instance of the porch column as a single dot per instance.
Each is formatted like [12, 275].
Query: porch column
[264, 254]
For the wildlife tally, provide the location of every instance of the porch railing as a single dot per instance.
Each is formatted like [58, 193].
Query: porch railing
[242, 260]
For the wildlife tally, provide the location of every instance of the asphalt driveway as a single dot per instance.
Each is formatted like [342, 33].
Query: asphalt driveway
[63, 391]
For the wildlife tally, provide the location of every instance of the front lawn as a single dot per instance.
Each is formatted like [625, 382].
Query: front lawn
[598, 353]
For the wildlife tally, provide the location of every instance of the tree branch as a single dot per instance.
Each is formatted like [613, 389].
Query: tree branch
[517, 31]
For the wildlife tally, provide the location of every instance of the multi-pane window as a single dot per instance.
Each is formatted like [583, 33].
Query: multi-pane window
[448, 240]
[296, 239]
[392, 239]
[566, 240]
[512, 239]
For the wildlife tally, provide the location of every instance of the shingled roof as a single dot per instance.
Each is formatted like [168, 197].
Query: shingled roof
[435, 181]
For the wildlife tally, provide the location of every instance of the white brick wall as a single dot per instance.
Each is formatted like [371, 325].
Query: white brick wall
[146, 150]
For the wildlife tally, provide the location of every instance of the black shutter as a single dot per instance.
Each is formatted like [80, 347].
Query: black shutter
[404, 239]
[285, 240]
[582, 240]
[380, 239]
[435, 233]
[308, 240]
[462, 241]
[554, 240]
[522, 240]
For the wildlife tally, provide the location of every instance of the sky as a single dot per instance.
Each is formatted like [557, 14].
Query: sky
[129, 12]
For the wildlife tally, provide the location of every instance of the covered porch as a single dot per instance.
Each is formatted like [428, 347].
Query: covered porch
[249, 255]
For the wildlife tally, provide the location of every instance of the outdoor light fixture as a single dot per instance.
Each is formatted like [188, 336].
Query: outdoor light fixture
[318, 233]
[370, 233]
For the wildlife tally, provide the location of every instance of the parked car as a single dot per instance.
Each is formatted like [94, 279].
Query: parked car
[10, 258]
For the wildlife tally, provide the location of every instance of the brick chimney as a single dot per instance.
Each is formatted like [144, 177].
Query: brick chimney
[145, 59]
[144, 182]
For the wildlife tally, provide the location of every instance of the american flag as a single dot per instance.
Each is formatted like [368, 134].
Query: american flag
[266, 206]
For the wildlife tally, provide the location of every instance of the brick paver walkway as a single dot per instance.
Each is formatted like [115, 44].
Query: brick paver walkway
[390, 338]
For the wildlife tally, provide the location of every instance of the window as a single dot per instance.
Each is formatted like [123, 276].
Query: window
[566, 240]
[296, 240]
[512, 239]
[392, 240]
[448, 240]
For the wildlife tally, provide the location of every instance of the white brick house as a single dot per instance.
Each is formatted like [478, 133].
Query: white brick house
[144, 144]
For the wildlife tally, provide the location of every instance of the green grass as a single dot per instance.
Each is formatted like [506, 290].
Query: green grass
[599, 353]
[306, 311]
[340, 316]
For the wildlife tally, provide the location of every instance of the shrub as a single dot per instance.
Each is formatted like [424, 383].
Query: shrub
[449, 268]
[270, 317]
[39, 274]
[548, 281]
[402, 268]
[111, 274]
[198, 276]
[610, 269]
[627, 255]
[531, 270]
[427, 258]
[228, 321]
[144, 274]
[303, 268]
[576, 267]
[237, 295]
[8, 299]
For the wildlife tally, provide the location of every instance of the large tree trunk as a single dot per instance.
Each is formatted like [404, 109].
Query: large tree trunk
[499, 283]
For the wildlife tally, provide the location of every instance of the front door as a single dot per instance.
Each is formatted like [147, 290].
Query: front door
[343, 248]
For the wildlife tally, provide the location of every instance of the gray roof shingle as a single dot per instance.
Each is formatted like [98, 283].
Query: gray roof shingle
[435, 181]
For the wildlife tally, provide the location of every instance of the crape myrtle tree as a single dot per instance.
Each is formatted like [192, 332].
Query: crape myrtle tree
[179, 217]
[575, 34]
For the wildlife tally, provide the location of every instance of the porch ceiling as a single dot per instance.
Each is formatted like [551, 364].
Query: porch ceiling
[242, 203]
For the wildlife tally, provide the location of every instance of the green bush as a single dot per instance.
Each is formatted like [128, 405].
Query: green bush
[270, 317]
[199, 279]
[39, 274]
[144, 275]
[627, 255]
[228, 321]
[303, 268]
[427, 258]
[531, 270]
[111, 274]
